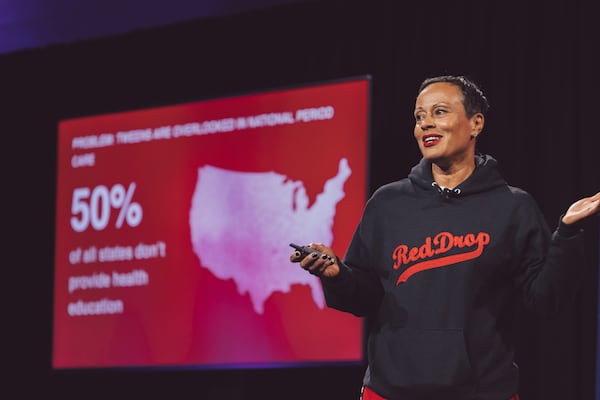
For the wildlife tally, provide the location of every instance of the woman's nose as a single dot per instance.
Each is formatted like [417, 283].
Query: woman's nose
[426, 122]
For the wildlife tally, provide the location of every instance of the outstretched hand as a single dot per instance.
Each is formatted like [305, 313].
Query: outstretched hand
[321, 262]
[582, 208]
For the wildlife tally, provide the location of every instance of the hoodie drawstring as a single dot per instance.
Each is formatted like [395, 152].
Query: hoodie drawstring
[447, 193]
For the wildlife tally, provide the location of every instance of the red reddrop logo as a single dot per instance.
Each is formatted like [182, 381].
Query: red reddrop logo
[440, 244]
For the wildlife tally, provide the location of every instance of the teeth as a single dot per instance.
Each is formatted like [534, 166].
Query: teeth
[431, 139]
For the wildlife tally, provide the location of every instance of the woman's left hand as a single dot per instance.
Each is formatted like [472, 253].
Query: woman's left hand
[582, 208]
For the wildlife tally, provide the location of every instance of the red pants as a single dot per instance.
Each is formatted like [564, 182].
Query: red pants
[368, 394]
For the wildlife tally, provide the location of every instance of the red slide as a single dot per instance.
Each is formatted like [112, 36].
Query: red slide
[173, 227]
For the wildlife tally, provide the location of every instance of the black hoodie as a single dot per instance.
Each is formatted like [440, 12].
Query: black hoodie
[439, 271]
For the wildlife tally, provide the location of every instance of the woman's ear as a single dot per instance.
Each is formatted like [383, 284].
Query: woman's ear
[477, 122]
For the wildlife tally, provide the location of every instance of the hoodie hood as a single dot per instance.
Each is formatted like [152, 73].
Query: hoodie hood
[485, 177]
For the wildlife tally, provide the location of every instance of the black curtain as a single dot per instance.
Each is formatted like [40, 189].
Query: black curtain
[536, 61]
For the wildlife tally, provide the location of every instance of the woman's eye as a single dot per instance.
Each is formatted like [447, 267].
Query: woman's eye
[440, 111]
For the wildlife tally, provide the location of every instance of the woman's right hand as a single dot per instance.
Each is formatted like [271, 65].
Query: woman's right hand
[321, 262]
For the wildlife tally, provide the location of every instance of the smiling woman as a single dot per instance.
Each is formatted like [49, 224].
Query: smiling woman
[445, 129]
[446, 332]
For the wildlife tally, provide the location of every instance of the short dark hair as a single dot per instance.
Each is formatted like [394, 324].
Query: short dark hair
[474, 100]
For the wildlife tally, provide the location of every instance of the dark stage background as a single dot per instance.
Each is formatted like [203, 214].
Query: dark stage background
[536, 62]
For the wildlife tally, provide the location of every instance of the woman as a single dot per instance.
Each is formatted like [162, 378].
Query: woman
[440, 259]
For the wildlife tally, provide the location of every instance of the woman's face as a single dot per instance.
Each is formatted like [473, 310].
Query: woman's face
[442, 129]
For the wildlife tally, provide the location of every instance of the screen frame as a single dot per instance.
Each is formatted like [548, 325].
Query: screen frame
[366, 78]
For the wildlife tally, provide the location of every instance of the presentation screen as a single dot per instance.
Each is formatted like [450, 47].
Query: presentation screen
[173, 226]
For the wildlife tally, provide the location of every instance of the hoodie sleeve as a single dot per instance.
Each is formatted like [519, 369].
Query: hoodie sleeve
[551, 264]
[356, 289]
